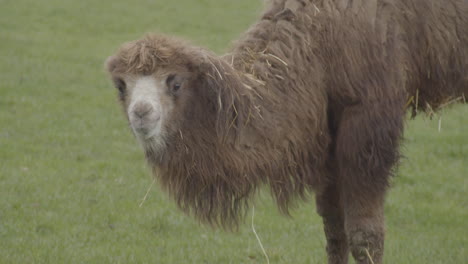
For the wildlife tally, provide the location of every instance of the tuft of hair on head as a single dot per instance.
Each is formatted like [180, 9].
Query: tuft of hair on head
[145, 55]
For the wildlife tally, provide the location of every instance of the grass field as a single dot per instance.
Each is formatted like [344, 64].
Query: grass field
[72, 176]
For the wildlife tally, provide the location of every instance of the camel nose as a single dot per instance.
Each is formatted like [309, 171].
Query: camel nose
[142, 109]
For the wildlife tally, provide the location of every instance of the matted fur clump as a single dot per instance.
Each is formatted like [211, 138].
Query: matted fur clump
[311, 98]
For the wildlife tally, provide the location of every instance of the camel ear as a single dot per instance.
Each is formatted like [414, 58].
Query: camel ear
[111, 63]
[202, 62]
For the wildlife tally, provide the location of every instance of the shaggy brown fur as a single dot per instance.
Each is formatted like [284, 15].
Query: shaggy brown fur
[311, 98]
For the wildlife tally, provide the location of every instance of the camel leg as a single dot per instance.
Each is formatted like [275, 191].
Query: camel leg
[366, 150]
[330, 208]
[364, 224]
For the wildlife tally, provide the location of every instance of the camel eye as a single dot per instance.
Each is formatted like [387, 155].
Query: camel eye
[174, 83]
[176, 87]
[120, 85]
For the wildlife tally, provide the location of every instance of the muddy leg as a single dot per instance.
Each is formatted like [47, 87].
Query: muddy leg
[330, 208]
[367, 149]
[364, 224]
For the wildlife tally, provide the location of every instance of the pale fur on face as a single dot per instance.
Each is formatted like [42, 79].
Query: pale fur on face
[148, 91]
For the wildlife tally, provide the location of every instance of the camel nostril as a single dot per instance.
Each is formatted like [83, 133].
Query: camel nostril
[142, 109]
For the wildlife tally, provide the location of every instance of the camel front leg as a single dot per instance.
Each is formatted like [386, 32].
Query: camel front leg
[366, 151]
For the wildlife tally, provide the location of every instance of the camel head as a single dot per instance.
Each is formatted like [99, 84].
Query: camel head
[155, 79]
[170, 89]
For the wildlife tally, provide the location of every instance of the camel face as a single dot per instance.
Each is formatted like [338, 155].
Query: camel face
[148, 106]
[145, 109]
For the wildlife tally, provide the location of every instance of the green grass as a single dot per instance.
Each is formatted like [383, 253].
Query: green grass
[72, 176]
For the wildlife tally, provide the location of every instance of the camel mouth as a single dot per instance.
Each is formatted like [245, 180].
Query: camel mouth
[145, 132]
[152, 134]
[147, 125]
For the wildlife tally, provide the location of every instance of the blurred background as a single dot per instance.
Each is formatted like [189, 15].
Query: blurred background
[72, 176]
